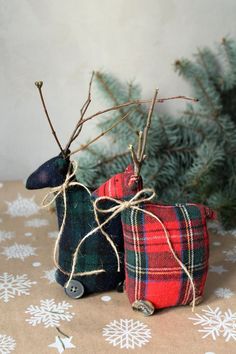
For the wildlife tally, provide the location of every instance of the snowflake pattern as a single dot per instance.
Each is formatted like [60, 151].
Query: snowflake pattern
[216, 324]
[127, 333]
[50, 275]
[19, 251]
[218, 229]
[11, 286]
[22, 207]
[6, 235]
[224, 293]
[7, 344]
[49, 313]
[36, 223]
[230, 255]
[218, 269]
[53, 234]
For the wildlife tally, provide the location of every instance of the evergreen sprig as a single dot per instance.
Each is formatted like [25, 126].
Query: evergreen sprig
[191, 158]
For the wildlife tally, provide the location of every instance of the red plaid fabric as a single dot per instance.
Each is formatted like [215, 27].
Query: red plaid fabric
[121, 186]
[152, 273]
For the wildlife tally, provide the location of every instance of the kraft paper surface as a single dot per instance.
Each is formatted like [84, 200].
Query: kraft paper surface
[37, 317]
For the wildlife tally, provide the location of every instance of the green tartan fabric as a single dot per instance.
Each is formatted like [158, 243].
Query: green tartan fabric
[95, 253]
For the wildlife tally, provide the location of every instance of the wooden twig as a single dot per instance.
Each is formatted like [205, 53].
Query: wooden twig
[134, 159]
[147, 126]
[39, 85]
[135, 102]
[140, 141]
[87, 102]
[83, 110]
[139, 157]
[83, 147]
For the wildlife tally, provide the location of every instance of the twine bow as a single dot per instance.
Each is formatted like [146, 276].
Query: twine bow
[118, 208]
[49, 199]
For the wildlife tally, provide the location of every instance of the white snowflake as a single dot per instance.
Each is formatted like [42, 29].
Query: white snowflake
[216, 243]
[219, 230]
[216, 324]
[224, 293]
[106, 298]
[22, 207]
[19, 251]
[49, 313]
[6, 235]
[50, 275]
[127, 333]
[36, 223]
[7, 344]
[11, 286]
[218, 269]
[230, 255]
[53, 234]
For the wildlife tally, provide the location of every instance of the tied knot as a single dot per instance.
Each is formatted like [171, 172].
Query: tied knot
[54, 192]
[145, 195]
[126, 204]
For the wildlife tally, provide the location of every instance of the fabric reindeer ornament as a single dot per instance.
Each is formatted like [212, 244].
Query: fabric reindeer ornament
[166, 246]
[99, 264]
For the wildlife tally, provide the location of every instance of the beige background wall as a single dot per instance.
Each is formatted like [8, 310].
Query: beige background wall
[62, 41]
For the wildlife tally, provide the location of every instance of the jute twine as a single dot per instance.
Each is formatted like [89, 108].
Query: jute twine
[118, 208]
[115, 210]
[49, 199]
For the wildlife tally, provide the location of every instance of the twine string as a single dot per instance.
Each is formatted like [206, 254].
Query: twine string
[118, 208]
[115, 210]
[50, 198]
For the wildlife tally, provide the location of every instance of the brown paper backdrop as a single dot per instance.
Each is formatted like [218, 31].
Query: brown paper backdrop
[102, 323]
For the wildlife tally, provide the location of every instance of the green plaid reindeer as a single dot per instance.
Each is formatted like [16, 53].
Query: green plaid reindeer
[99, 265]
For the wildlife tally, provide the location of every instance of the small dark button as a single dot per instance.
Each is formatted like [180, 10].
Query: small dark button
[74, 289]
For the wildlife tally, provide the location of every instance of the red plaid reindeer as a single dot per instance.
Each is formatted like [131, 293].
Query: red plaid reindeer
[166, 246]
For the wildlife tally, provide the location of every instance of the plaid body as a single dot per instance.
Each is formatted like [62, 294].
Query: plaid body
[96, 253]
[152, 273]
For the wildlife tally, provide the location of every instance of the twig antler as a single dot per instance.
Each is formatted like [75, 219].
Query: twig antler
[84, 146]
[139, 157]
[79, 125]
[135, 102]
[39, 85]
